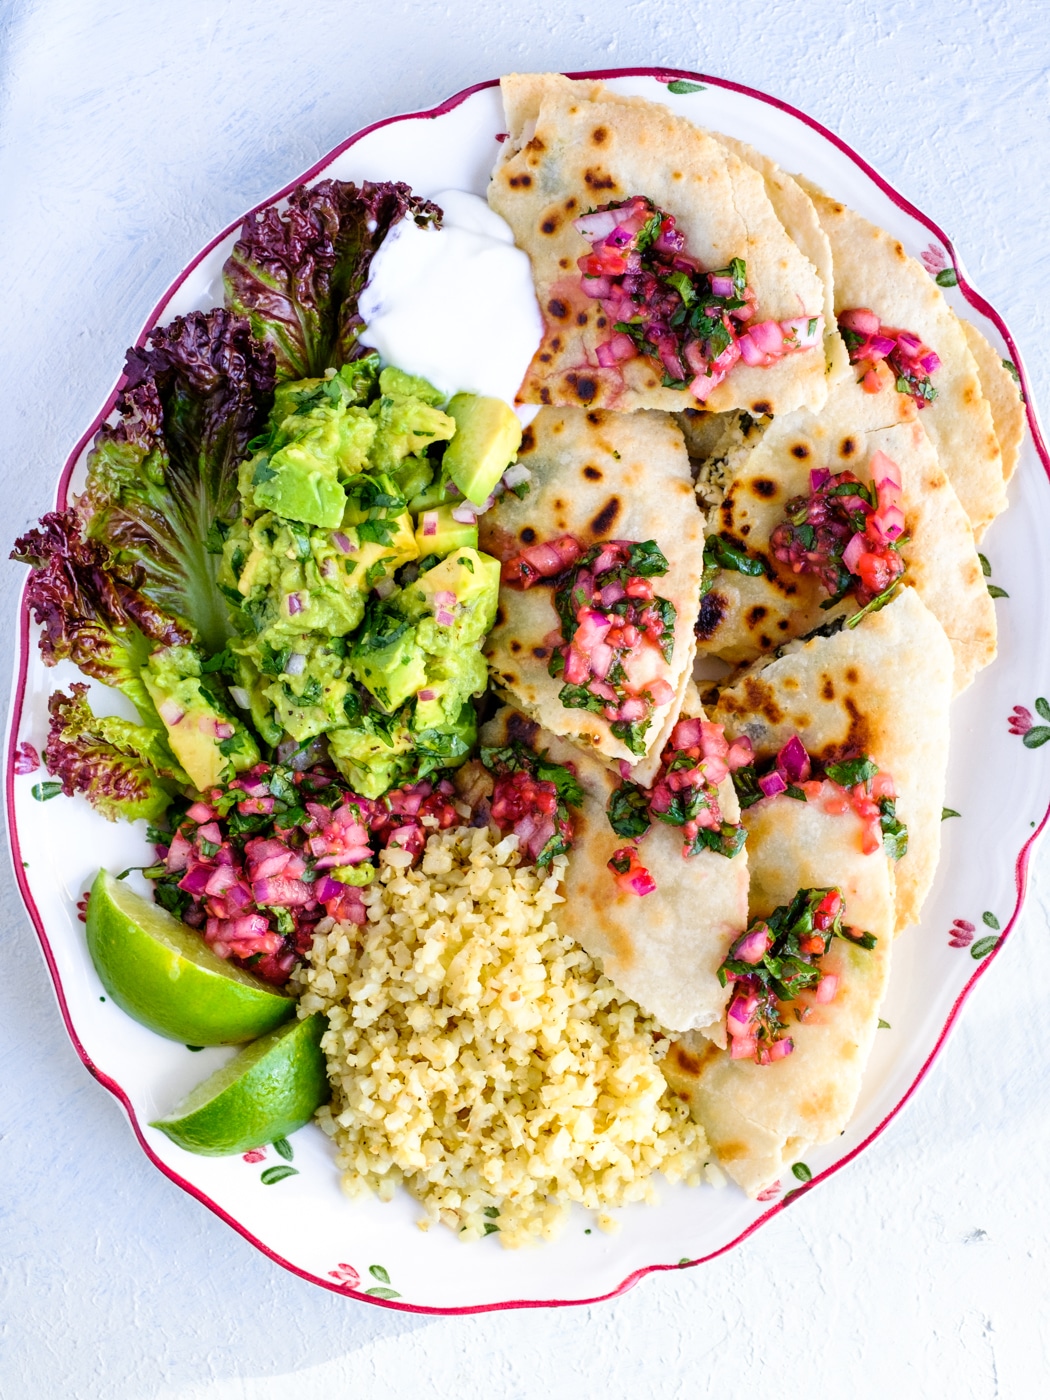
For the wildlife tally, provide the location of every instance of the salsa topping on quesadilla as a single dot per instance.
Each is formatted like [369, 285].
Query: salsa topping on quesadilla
[617, 632]
[531, 796]
[696, 759]
[851, 782]
[773, 962]
[665, 307]
[887, 355]
[631, 875]
[847, 533]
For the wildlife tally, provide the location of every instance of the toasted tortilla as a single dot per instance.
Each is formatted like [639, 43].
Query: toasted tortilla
[662, 950]
[882, 688]
[872, 270]
[1003, 393]
[574, 145]
[598, 476]
[795, 210]
[744, 616]
[761, 1119]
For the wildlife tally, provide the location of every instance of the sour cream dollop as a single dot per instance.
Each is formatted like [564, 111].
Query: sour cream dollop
[456, 304]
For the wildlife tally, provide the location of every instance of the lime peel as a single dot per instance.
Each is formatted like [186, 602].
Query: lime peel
[266, 1091]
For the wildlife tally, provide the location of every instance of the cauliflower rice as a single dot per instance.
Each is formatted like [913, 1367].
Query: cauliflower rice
[480, 1057]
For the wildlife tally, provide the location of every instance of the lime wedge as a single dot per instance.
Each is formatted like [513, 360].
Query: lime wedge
[164, 974]
[265, 1092]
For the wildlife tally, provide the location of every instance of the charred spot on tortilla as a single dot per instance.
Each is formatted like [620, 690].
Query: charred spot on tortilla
[528, 535]
[756, 615]
[581, 318]
[762, 700]
[563, 262]
[570, 203]
[545, 395]
[601, 323]
[851, 675]
[764, 488]
[783, 624]
[528, 441]
[549, 226]
[557, 308]
[598, 180]
[594, 417]
[582, 385]
[726, 510]
[745, 529]
[713, 609]
[599, 135]
[521, 730]
[766, 643]
[848, 447]
[761, 408]
[520, 181]
[688, 1062]
[603, 522]
[501, 616]
[545, 356]
[827, 688]
[800, 450]
[536, 144]
[556, 342]
[592, 473]
[541, 653]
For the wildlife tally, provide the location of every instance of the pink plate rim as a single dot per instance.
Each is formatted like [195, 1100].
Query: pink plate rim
[664, 75]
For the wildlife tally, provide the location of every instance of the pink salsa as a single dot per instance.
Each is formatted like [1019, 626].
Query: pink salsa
[888, 356]
[777, 961]
[696, 325]
[254, 865]
[846, 533]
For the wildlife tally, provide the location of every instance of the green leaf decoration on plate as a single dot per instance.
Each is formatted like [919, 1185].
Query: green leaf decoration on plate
[802, 1172]
[283, 1148]
[681, 86]
[997, 592]
[986, 568]
[884, 1025]
[382, 1293]
[990, 919]
[274, 1174]
[1011, 370]
[983, 947]
[1037, 737]
[1042, 708]
[947, 812]
[43, 792]
[377, 1271]
[947, 277]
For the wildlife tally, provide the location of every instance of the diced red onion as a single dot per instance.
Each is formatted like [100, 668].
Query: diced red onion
[425, 695]
[803, 332]
[444, 618]
[740, 753]
[818, 479]
[793, 761]
[430, 522]
[596, 226]
[223, 730]
[890, 521]
[930, 362]
[516, 475]
[780, 1049]
[773, 783]
[722, 286]
[240, 697]
[200, 812]
[596, 287]
[342, 542]
[295, 604]
[742, 1047]
[853, 552]
[385, 587]
[296, 664]
[686, 734]
[878, 347]
[751, 948]
[465, 514]
[826, 988]
[171, 712]
[768, 337]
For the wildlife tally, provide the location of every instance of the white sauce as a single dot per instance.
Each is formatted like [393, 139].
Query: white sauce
[456, 304]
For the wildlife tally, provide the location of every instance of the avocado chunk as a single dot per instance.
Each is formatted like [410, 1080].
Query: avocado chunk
[438, 533]
[454, 603]
[207, 740]
[386, 658]
[488, 435]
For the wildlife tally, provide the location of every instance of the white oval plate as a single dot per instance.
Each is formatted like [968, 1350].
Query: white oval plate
[998, 782]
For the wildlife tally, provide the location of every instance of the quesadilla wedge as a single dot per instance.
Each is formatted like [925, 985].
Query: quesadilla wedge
[873, 272]
[795, 210]
[598, 479]
[661, 949]
[882, 690]
[803, 457]
[1003, 392]
[762, 1118]
[574, 149]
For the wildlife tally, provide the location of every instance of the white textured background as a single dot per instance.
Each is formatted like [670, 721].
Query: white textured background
[130, 132]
